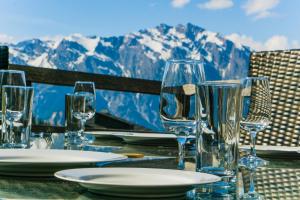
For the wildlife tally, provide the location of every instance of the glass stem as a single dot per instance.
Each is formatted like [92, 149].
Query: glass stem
[252, 186]
[82, 125]
[253, 141]
[81, 132]
[11, 132]
[181, 152]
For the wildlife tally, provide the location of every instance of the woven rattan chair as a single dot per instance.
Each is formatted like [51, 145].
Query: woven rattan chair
[283, 70]
[275, 183]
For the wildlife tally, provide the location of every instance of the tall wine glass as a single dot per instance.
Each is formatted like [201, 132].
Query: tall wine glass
[84, 103]
[177, 100]
[256, 116]
[13, 105]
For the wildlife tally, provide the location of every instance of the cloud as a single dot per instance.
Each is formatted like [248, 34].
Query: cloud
[240, 40]
[295, 44]
[260, 8]
[6, 38]
[52, 37]
[179, 3]
[276, 42]
[216, 4]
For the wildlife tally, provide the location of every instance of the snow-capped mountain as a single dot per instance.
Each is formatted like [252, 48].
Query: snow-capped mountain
[140, 54]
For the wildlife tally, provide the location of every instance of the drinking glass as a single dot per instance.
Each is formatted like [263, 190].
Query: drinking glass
[177, 100]
[9, 77]
[22, 128]
[256, 116]
[84, 102]
[218, 112]
[72, 124]
[13, 107]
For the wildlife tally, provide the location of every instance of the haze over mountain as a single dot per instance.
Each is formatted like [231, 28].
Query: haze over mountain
[141, 54]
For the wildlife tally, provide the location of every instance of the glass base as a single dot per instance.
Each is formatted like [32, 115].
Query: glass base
[89, 138]
[252, 196]
[19, 146]
[252, 162]
[5, 146]
[75, 140]
[216, 191]
[180, 164]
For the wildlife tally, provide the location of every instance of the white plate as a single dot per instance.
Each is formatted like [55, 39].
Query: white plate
[35, 162]
[137, 182]
[106, 134]
[134, 137]
[274, 150]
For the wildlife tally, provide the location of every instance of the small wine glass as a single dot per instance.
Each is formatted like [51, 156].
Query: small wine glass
[256, 116]
[177, 101]
[84, 103]
[13, 106]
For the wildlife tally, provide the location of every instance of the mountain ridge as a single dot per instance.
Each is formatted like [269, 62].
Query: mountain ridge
[140, 54]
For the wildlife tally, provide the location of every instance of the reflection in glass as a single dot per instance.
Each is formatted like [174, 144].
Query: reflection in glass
[256, 116]
[177, 100]
[13, 107]
[84, 103]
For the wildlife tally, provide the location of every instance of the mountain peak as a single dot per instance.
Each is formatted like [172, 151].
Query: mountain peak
[163, 28]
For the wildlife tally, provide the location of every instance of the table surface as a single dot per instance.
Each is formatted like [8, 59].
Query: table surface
[283, 175]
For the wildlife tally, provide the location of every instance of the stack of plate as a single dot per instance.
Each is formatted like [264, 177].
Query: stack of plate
[139, 138]
[275, 151]
[122, 182]
[41, 163]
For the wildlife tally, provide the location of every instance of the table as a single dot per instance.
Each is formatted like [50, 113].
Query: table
[280, 180]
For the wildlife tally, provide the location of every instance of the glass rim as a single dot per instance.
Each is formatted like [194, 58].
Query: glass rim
[184, 61]
[226, 83]
[12, 70]
[17, 86]
[79, 94]
[85, 82]
[256, 78]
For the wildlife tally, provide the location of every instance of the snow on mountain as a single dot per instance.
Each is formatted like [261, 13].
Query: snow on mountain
[141, 54]
[89, 43]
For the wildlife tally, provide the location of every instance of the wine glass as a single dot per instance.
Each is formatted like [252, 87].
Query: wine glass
[13, 106]
[177, 100]
[84, 102]
[256, 116]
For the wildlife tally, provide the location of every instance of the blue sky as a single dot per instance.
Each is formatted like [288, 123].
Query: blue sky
[261, 24]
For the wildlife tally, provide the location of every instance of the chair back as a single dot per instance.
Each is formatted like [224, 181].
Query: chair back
[283, 70]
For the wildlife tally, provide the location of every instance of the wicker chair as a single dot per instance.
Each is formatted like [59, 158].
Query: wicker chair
[283, 70]
[275, 183]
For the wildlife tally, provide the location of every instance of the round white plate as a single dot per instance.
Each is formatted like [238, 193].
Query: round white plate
[36, 162]
[137, 182]
[135, 137]
[274, 150]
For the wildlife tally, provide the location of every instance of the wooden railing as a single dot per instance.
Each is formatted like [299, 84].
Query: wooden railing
[105, 82]
[68, 78]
